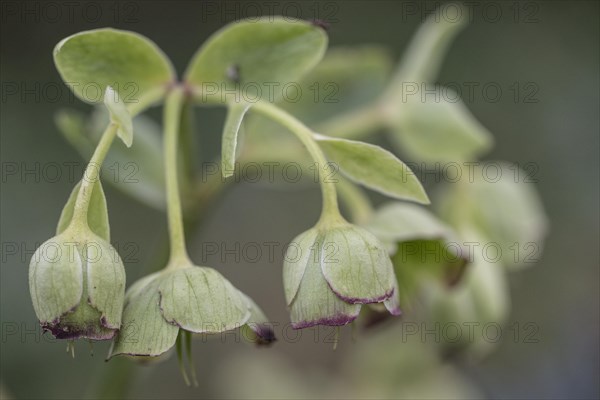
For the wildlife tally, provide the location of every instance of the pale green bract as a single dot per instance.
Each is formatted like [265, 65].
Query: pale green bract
[373, 167]
[97, 216]
[255, 58]
[131, 64]
[233, 124]
[119, 115]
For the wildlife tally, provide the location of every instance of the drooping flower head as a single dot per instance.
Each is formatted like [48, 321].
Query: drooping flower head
[77, 284]
[331, 270]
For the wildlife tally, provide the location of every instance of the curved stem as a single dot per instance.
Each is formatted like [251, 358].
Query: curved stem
[356, 200]
[171, 121]
[92, 174]
[330, 204]
[354, 124]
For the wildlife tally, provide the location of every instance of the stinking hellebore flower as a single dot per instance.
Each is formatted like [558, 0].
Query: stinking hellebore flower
[331, 270]
[189, 298]
[77, 285]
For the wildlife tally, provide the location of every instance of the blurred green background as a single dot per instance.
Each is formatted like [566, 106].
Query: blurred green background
[552, 45]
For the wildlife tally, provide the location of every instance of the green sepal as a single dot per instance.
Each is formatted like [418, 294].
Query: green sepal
[105, 281]
[356, 264]
[312, 300]
[201, 300]
[257, 329]
[55, 278]
[144, 331]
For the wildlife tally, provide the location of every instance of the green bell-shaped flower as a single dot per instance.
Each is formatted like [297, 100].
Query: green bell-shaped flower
[194, 299]
[77, 284]
[331, 270]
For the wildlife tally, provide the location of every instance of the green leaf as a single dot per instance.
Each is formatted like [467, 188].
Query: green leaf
[425, 248]
[332, 87]
[245, 55]
[136, 171]
[130, 63]
[374, 168]
[423, 59]
[233, 123]
[97, 212]
[437, 129]
[400, 222]
[419, 262]
[328, 89]
[119, 115]
[499, 203]
[184, 295]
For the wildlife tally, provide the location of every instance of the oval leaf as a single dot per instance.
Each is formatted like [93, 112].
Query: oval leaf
[374, 167]
[247, 54]
[436, 129]
[97, 212]
[233, 123]
[119, 115]
[134, 66]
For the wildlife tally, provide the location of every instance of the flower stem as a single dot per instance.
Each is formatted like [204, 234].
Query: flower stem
[171, 119]
[355, 200]
[92, 174]
[330, 209]
[355, 123]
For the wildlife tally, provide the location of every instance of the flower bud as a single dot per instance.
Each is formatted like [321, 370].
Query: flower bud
[331, 270]
[77, 285]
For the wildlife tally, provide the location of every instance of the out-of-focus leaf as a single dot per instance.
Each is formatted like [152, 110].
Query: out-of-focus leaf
[424, 248]
[422, 60]
[480, 301]
[247, 55]
[328, 89]
[346, 78]
[374, 168]
[97, 217]
[502, 205]
[131, 64]
[433, 128]
[138, 170]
